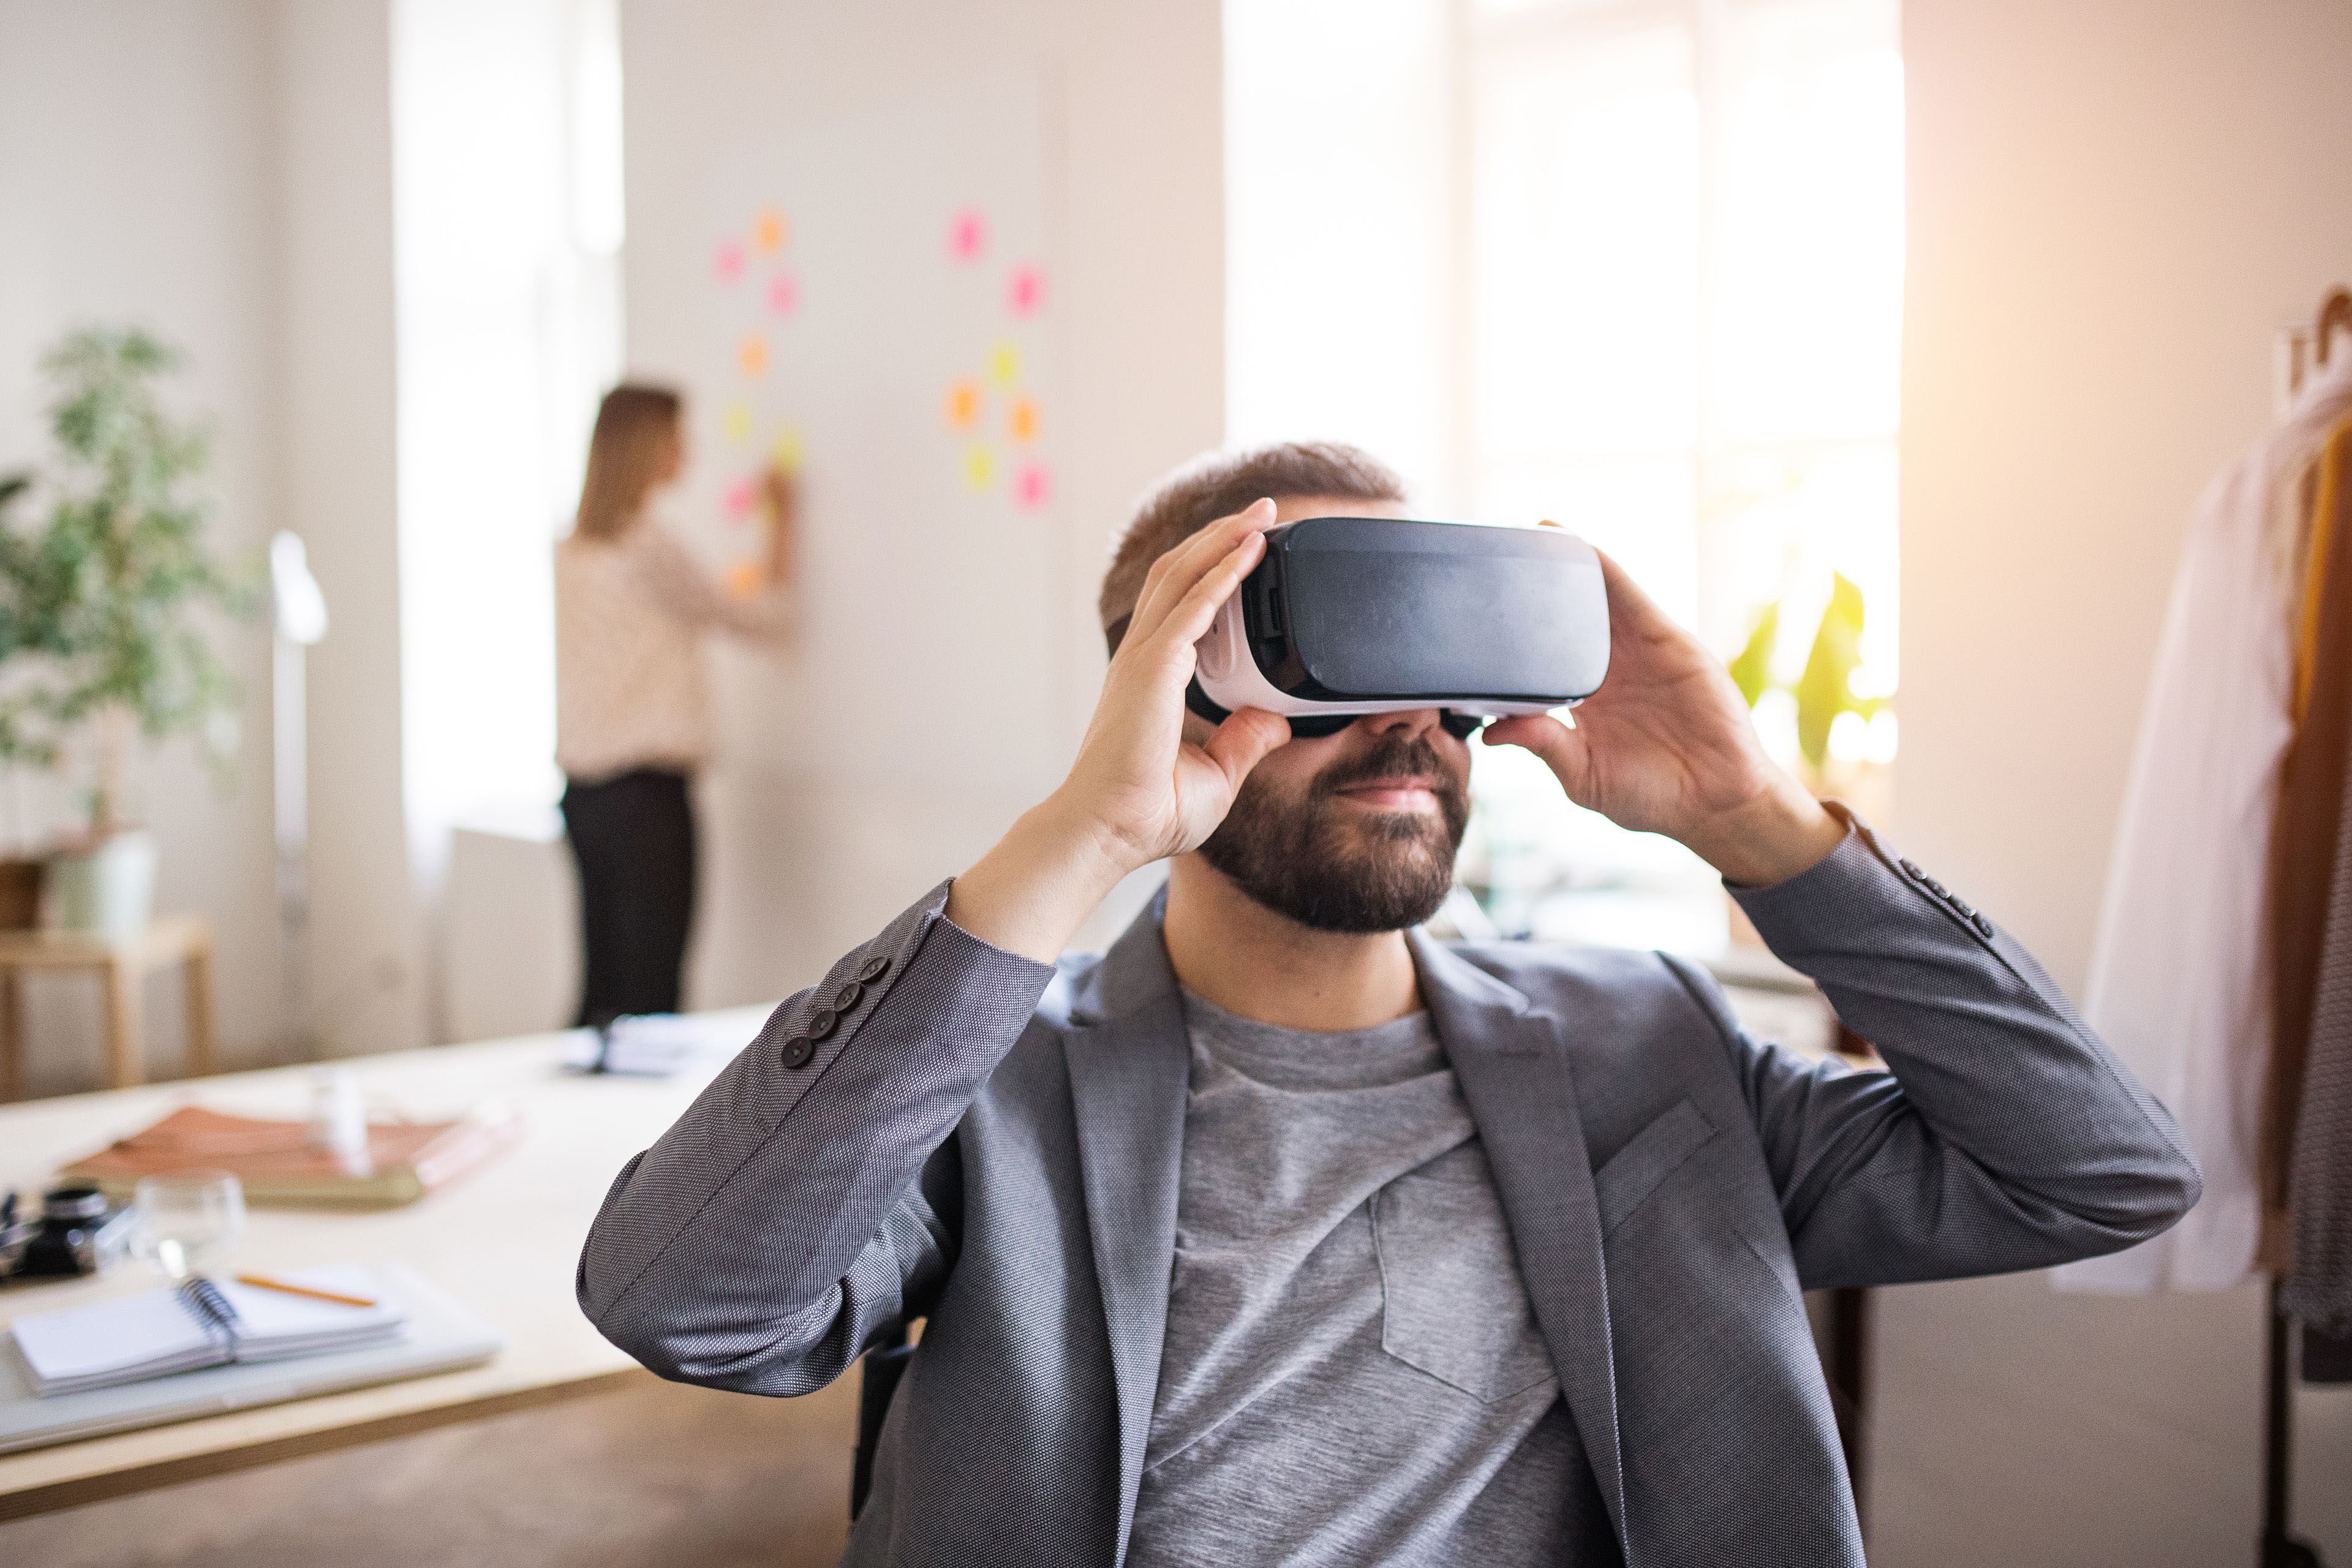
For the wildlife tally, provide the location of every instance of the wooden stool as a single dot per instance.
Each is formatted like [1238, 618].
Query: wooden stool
[185, 939]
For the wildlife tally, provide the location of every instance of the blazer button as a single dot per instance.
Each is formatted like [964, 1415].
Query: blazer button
[851, 995]
[1984, 926]
[822, 1023]
[797, 1051]
[874, 969]
[1910, 870]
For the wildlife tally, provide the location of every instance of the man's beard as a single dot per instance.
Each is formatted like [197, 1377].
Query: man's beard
[1299, 858]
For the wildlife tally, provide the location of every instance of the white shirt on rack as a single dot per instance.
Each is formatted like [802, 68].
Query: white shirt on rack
[2180, 981]
[631, 689]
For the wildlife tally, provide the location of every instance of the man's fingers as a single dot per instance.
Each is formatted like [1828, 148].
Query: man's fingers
[1189, 619]
[1243, 741]
[1175, 573]
[1561, 748]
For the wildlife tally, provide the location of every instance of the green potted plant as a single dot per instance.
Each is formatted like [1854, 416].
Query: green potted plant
[103, 606]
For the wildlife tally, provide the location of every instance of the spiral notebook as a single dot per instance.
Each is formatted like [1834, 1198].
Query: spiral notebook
[205, 1322]
[441, 1334]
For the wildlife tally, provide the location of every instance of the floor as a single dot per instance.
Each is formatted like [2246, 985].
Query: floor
[684, 1478]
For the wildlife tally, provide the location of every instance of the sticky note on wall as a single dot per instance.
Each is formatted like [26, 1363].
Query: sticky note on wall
[1033, 486]
[978, 468]
[1025, 290]
[963, 405]
[967, 234]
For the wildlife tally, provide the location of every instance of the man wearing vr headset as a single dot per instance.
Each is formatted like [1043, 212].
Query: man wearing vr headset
[1284, 1233]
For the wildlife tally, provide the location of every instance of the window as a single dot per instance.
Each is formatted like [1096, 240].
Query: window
[1634, 265]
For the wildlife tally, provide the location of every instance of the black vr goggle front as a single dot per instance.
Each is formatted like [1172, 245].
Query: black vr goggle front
[1349, 615]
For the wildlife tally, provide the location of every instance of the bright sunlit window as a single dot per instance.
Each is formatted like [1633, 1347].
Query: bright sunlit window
[1636, 267]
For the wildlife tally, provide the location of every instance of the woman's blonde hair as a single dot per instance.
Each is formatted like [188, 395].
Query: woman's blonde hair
[633, 426]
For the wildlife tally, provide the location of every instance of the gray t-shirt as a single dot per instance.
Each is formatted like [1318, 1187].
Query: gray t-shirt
[1351, 1372]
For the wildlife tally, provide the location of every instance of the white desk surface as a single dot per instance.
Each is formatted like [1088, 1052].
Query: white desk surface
[504, 1239]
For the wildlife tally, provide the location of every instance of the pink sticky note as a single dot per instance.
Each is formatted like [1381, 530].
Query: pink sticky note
[740, 495]
[783, 293]
[1033, 486]
[1025, 290]
[967, 234]
[728, 263]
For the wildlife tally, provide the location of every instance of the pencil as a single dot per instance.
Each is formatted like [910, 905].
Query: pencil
[267, 1283]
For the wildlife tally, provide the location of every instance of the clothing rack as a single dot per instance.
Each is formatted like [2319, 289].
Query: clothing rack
[2303, 352]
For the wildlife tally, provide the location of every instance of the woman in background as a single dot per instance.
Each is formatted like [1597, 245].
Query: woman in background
[633, 701]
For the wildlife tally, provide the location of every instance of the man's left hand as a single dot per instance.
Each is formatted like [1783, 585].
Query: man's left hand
[1666, 746]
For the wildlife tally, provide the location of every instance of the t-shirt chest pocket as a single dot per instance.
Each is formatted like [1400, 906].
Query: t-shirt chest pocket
[1453, 1303]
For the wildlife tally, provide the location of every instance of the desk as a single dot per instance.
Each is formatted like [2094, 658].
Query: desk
[503, 1240]
[120, 966]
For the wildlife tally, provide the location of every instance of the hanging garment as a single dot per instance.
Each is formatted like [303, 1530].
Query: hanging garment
[2308, 822]
[2311, 1098]
[2179, 980]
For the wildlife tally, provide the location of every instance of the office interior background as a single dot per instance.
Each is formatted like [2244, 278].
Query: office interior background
[1939, 314]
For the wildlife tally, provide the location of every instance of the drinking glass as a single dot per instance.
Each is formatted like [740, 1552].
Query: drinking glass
[186, 1220]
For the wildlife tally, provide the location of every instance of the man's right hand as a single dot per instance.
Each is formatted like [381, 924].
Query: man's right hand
[1138, 791]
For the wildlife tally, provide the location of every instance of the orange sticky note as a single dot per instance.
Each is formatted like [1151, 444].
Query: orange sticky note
[963, 405]
[769, 232]
[751, 354]
[1022, 419]
[745, 579]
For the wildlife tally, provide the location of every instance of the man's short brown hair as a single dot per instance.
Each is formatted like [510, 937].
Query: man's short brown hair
[1221, 484]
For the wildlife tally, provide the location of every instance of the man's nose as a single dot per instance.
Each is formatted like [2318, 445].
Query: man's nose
[1414, 722]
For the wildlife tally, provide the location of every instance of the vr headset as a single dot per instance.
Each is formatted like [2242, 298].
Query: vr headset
[1348, 615]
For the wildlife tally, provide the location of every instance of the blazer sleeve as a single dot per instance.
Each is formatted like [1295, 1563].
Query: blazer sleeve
[808, 1198]
[2007, 1135]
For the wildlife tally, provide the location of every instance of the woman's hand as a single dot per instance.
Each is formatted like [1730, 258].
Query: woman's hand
[1138, 791]
[783, 521]
[1666, 746]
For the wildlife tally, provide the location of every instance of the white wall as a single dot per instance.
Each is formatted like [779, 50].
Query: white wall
[219, 171]
[806, 856]
[2112, 207]
[332, 137]
[134, 187]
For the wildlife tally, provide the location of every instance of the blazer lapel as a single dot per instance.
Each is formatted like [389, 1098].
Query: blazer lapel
[1129, 1063]
[1513, 1068]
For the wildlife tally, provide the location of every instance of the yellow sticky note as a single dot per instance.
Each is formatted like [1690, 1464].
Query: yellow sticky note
[751, 354]
[1004, 364]
[735, 424]
[963, 405]
[978, 468]
[784, 452]
[1022, 419]
[745, 579]
[769, 232]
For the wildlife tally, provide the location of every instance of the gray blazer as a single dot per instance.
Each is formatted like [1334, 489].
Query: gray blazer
[942, 1130]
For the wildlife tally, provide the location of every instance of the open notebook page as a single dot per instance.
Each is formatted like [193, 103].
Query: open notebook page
[132, 1336]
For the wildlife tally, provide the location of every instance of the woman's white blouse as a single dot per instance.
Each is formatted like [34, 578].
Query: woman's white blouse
[631, 691]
